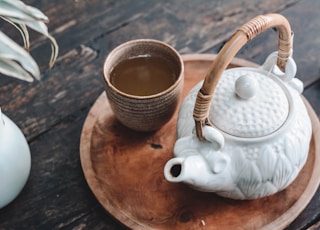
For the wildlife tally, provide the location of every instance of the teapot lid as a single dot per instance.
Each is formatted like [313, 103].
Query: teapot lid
[249, 103]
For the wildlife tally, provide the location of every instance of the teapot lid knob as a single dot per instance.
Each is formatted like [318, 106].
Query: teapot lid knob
[246, 87]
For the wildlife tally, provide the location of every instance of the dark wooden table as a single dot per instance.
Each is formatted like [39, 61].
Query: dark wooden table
[51, 113]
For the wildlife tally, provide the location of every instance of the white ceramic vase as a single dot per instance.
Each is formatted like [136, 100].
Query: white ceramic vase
[15, 160]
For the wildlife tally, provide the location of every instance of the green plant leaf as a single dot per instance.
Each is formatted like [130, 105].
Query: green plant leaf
[54, 51]
[23, 31]
[22, 16]
[13, 69]
[11, 51]
[41, 28]
[37, 14]
[19, 10]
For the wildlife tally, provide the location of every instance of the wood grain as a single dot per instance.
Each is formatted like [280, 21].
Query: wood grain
[51, 112]
[124, 169]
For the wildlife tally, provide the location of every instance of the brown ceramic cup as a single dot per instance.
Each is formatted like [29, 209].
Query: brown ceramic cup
[144, 113]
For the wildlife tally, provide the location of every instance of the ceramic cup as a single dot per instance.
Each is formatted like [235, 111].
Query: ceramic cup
[150, 112]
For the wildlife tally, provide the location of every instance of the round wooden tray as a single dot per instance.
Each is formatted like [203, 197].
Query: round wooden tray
[124, 170]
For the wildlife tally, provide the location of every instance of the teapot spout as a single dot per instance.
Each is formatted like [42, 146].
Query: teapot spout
[173, 170]
[195, 171]
[192, 170]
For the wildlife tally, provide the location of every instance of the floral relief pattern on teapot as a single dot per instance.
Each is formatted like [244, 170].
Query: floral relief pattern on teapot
[257, 136]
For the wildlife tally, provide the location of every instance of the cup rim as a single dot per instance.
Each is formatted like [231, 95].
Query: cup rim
[139, 41]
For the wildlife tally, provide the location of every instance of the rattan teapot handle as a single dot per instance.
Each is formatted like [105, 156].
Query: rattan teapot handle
[244, 34]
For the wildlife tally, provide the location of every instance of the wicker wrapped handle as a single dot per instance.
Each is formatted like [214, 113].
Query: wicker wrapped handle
[244, 34]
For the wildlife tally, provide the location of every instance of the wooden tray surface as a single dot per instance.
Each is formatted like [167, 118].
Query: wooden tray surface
[124, 170]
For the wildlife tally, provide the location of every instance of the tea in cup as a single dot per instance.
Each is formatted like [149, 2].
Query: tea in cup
[144, 81]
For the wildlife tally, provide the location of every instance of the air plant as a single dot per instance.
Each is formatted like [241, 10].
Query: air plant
[15, 60]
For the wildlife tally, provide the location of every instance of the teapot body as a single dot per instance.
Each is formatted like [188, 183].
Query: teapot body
[242, 167]
[244, 133]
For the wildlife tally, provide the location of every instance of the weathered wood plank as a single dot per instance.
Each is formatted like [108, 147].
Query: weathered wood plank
[303, 17]
[51, 112]
[309, 216]
[312, 93]
[56, 195]
[315, 226]
[100, 27]
[181, 25]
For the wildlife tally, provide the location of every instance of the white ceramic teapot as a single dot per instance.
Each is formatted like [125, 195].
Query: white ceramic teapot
[250, 131]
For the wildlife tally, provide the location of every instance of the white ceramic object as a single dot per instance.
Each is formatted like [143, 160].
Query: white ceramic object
[15, 160]
[259, 138]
